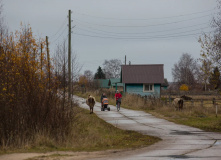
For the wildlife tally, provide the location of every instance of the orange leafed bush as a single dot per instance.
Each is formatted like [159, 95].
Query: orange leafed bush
[184, 87]
[29, 102]
[83, 81]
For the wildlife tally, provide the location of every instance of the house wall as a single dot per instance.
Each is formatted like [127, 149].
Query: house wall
[138, 89]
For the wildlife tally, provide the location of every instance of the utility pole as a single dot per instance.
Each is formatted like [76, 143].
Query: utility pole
[125, 60]
[69, 56]
[48, 58]
[41, 60]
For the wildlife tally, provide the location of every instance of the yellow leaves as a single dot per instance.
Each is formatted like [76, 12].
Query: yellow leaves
[184, 87]
[22, 63]
[83, 80]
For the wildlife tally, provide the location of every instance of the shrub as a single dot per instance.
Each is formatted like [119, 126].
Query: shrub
[184, 87]
[29, 103]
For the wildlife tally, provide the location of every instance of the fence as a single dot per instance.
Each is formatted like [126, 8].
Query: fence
[205, 104]
[190, 93]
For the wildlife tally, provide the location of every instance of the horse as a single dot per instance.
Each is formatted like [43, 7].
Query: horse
[178, 103]
[186, 97]
[90, 102]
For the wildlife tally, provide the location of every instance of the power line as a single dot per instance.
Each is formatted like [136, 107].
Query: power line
[141, 19]
[150, 32]
[59, 36]
[169, 34]
[134, 38]
[144, 25]
[159, 35]
[59, 28]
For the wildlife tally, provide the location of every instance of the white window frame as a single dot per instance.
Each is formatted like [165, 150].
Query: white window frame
[149, 87]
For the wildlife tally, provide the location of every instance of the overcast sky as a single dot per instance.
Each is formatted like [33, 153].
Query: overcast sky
[146, 31]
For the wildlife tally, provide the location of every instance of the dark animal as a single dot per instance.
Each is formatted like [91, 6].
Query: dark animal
[90, 102]
[186, 97]
[178, 103]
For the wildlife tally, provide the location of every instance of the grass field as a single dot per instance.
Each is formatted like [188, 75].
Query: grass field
[89, 133]
[200, 116]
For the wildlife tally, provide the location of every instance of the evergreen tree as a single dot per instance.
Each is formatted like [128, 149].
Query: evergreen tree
[166, 82]
[99, 74]
[109, 83]
[215, 78]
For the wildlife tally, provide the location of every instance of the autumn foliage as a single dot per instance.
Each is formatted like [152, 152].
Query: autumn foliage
[83, 81]
[184, 87]
[29, 101]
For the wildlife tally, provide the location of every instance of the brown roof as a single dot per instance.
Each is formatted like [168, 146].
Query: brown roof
[151, 73]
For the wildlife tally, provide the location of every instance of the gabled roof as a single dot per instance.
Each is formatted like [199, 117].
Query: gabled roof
[150, 73]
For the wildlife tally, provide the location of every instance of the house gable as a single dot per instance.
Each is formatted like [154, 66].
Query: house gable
[143, 74]
[144, 80]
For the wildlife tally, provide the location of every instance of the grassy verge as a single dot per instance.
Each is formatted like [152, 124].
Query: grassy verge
[95, 134]
[207, 122]
[90, 133]
[198, 116]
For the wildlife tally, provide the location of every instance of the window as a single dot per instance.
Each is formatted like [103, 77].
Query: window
[148, 87]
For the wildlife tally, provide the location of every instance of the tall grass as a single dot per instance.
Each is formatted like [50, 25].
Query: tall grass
[92, 133]
[197, 115]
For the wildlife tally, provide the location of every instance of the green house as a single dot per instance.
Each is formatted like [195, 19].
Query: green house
[116, 82]
[144, 80]
[109, 83]
[103, 83]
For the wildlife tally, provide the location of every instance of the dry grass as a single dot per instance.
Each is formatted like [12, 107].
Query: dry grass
[89, 133]
[92, 133]
[196, 115]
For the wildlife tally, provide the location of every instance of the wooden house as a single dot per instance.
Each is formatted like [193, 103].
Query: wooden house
[144, 80]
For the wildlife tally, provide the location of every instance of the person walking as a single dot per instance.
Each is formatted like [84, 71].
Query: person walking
[118, 99]
[102, 96]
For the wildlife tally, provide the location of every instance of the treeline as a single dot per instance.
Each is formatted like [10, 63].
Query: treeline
[202, 73]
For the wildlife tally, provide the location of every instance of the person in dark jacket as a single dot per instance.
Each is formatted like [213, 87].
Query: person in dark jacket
[102, 96]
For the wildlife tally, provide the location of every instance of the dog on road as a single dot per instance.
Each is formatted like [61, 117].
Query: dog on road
[90, 102]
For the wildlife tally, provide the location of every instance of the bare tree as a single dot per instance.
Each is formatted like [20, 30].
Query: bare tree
[3, 28]
[186, 70]
[211, 43]
[76, 67]
[61, 67]
[211, 48]
[112, 68]
[89, 75]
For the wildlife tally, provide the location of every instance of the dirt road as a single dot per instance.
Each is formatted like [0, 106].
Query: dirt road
[178, 141]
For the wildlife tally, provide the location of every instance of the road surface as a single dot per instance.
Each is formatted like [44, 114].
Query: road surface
[178, 141]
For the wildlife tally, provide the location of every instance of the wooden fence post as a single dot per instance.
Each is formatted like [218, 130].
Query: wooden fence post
[169, 99]
[215, 105]
[214, 102]
[201, 102]
[216, 110]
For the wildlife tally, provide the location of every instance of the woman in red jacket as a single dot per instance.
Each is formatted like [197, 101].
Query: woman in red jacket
[118, 99]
